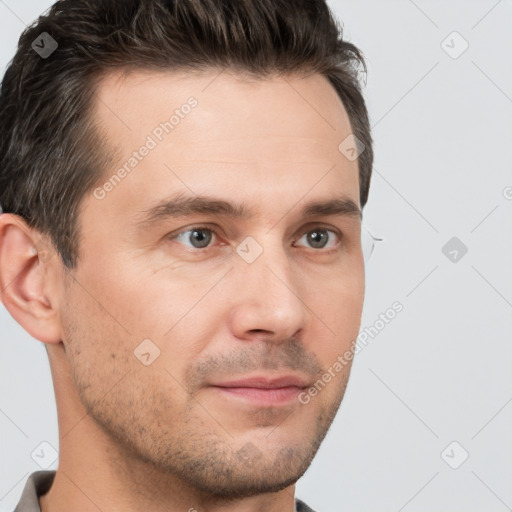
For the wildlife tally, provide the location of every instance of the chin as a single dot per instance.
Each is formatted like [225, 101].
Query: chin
[251, 473]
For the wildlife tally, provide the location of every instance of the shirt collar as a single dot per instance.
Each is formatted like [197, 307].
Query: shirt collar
[38, 483]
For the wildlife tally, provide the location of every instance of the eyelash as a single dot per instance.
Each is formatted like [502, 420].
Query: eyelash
[207, 228]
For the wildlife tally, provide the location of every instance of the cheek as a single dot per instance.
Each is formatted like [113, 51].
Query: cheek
[108, 372]
[337, 297]
[139, 302]
[336, 310]
[98, 336]
[96, 343]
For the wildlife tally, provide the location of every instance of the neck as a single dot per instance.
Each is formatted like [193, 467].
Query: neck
[96, 473]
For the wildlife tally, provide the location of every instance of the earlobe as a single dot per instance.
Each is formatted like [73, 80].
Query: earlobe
[23, 277]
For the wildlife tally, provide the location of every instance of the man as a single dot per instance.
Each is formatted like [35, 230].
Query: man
[182, 185]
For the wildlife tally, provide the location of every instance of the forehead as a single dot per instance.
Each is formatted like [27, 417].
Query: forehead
[271, 137]
[294, 110]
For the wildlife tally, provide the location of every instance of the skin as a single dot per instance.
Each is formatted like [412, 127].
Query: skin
[159, 437]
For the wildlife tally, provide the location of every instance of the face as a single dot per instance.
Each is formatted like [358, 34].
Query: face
[203, 329]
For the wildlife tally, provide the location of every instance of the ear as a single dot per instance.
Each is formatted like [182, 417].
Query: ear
[24, 278]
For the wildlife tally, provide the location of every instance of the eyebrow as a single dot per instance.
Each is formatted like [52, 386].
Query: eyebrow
[182, 205]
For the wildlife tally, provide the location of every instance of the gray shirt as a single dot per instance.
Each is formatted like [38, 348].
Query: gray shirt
[39, 483]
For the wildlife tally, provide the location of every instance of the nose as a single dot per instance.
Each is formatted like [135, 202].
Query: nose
[268, 302]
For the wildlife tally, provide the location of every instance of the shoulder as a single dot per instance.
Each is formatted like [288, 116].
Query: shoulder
[37, 484]
[301, 506]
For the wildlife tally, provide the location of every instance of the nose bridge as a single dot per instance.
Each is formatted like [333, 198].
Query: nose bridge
[269, 289]
[272, 266]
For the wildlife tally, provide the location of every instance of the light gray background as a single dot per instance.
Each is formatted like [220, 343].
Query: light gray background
[441, 370]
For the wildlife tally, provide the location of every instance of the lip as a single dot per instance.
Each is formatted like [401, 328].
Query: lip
[263, 391]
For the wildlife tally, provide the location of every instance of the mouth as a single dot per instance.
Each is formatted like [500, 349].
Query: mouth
[263, 391]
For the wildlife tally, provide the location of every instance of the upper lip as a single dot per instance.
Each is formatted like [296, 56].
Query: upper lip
[265, 382]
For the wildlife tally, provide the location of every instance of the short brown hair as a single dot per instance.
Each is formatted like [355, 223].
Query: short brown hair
[50, 152]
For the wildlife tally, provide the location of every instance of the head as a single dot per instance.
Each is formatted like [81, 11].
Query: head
[177, 168]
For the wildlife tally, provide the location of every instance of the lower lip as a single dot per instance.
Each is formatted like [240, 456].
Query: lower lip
[263, 396]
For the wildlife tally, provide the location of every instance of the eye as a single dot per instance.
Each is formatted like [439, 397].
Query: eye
[198, 236]
[318, 237]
